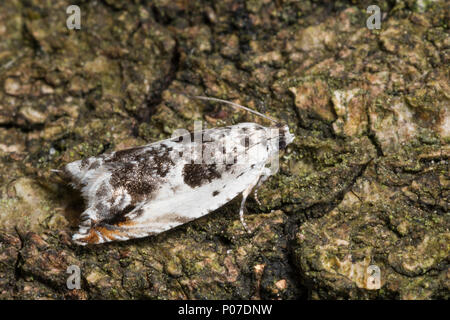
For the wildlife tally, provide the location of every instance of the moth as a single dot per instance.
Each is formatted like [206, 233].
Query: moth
[149, 189]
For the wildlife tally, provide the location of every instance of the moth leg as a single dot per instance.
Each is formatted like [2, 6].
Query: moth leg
[255, 191]
[264, 176]
[255, 194]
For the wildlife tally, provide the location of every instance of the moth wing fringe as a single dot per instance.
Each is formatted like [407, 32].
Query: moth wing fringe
[102, 232]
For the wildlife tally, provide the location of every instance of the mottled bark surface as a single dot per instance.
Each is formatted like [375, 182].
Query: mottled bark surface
[366, 181]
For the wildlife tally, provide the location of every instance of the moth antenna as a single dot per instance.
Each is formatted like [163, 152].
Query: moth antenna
[232, 104]
[237, 106]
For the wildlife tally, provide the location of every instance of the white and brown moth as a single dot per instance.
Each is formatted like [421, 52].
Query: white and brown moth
[146, 190]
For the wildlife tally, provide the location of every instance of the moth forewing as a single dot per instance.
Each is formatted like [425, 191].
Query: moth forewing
[146, 190]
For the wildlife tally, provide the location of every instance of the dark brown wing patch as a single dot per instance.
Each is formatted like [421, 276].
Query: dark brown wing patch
[195, 175]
